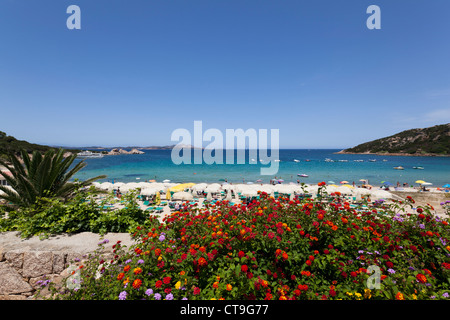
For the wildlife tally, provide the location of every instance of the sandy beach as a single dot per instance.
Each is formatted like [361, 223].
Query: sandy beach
[237, 193]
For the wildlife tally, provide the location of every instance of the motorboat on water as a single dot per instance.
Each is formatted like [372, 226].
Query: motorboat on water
[372, 160]
[302, 175]
[420, 168]
[399, 168]
[89, 154]
[328, 160]
[295, 160]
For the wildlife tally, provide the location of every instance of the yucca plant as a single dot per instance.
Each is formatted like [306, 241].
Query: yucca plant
[45, 175]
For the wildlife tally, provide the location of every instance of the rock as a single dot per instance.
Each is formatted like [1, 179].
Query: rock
[37, 263]
[136, 151]
[15, 259]
[59, 259]
[11, 281]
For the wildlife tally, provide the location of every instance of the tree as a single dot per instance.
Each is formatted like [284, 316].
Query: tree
[45, 175]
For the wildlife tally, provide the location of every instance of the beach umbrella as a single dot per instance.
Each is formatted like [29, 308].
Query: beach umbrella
[343, 182]
[182, 195]
[332, 182]
[280, 180]
[446, 186]
[209, 196]
[386, 183]
[149, 191]
[106, 186]
[213, 187]
[347, 185]
[363, 180]
[427, 184]
[166, 181]
[420, 181]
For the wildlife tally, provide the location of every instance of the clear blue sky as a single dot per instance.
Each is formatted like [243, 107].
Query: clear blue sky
[137, 70]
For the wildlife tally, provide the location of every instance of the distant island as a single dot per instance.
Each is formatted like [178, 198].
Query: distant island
[431, 141]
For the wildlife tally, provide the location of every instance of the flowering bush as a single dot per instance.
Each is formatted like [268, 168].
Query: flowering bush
[278, 249]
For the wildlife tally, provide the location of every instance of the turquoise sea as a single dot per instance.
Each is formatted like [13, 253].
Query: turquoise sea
[157, 164]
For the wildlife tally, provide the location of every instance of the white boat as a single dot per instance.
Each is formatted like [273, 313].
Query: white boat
[372, 160]
[358, 160]
[399, 168]
[302, 175]
[343, 160]
[420, 168]
[295, 160]
[328, 160]
[89, 154]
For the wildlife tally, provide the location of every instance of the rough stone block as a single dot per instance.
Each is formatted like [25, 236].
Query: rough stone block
[11, 282]
[37, 263]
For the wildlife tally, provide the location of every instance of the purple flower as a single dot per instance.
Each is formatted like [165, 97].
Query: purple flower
[149, 292]
[169, 296]
[157, 296]
[445, 295]
[140, 261]
[184, 298]
[128, 261]
[391, 271]
[421, 226]
[162, 237]
[123, 295]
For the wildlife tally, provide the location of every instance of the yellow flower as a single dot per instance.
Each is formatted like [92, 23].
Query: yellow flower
[178, 285]
[367, 294]
[159, 258]
[349, 293]
[414, 296]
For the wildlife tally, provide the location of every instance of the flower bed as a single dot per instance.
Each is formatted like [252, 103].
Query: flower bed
[278, 249]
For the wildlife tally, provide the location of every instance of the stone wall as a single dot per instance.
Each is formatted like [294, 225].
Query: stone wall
[22, 273]
[26, 263]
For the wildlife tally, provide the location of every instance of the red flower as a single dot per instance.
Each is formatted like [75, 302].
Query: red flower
[196, 291]
[167, 290]
[353, 274]
[166, 280]
[249, 275]
[202, 262]
[389, 264]
[241, 254]
[244, 268]
[158, 284]
[137, 283]
[421, 278]
[420, 210]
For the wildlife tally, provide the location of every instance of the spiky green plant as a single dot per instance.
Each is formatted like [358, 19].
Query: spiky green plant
[40, 175]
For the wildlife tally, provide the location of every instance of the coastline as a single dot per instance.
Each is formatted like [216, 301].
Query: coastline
[396, 154]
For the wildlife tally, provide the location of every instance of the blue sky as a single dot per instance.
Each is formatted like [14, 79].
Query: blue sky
[137, 70]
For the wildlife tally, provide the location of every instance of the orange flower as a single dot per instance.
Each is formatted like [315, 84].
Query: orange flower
[126, 268]
[229, 287]
[399, 296]
[137, 270]
[120, 276]
[216, 285]
[335, 227]
[137, 283]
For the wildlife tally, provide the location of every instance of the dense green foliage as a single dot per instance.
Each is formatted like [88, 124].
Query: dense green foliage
[41, 176]
[82, 213]
[432, 140]
[9, 144]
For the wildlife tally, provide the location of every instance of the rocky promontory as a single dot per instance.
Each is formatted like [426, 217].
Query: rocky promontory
[117, 151]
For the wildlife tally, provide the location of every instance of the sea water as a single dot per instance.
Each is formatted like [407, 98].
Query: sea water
[157, 165]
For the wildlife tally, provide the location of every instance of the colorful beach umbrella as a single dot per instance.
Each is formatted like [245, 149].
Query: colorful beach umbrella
[446, 186]
[343, 182]
[420, 181]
